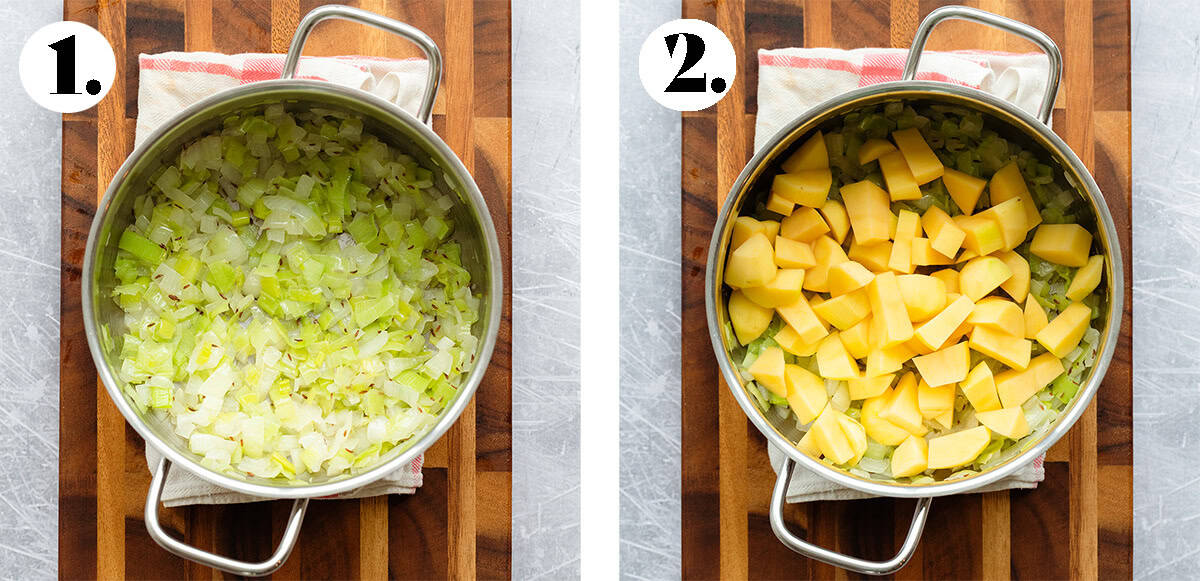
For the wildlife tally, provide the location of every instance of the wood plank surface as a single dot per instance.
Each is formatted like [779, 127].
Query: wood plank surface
[1078, 523]
[458, 523]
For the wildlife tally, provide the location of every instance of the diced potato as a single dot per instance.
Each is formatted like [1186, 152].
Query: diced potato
[1035, 317]
[844, 311]
[980, 388]
[748, 318]
[957, 449]
[961, 332]
[965, 256]
[779, 204]
[982, 275]
[982, 234]
[828, 254]
[808, 445]
[922, 162]
[752, 263]
[848, 277]
[935, 401]
[934, 332]
[949, 277]
[874, 257]
[857, 339]
[1014, 387]
[879, 429]
[944, 234]
[1063, 334]
[924, 296]
[946, 420]
[856, 435]
[1008, 422]
[1045, 368]
[1065, 244]
[902, 409]
[911, 457]
[908, 225]
[808, 187]
[836, 217]
[1007, 184]
[771, 229]
[917, 347]
[1007, 349]
[923, 254]
[945, 366]
[1017, 287]
[768, 371]
[792, 254]
[811, 155]
[964, 189]
[803, 225]
[1000, 314]
[1010, 215]
[870, 212]
[790, 341]
[743, 228]
[806, 393]
[886, 360]
[888, 310]
[831, 439]
[901, 184]
[1086, 279]
[834, 361]
[782, 290]
[872, 149]
[800, 317]
[868, 387]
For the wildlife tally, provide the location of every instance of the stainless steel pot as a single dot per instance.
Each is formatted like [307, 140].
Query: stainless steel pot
[475, 232]
[1035, 132]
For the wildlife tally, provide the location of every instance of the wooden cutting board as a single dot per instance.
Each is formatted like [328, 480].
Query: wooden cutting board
[1078, 523]
[458, 523]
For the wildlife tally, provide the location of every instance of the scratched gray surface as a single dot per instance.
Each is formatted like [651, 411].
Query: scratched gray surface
[29, 188]
[545, 217]
[650, 311]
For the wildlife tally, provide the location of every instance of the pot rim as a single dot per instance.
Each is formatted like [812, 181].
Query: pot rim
[1018, 118]
[470, 194]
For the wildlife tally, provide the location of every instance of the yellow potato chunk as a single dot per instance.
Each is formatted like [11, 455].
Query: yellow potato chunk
[743, 228]
[1008, 422]
[847, 277]
[792, 254]
[834, 361]
[771, 229]
[828, 254]
[902, 409]
[1065, 244]
[800, 317]
[924, 296]
[923, 254]
[944, 234]
[1017, 287]
[934, 332]
[887, 360]
[949, 277]
[856, 435]
[946, 420]
[1063, 334]
[870, 212]
[1014, 387]
[836, 217]
[809, 187]
[830, 438]
[911, 457]
[752, 263]
[964, 189]
[888, 311]
[1035, 318]
[1007, 349]
[808, 445]
[908, 225]
[1086, 279]
[868, 387]
[811, 155]
[1007, 184]
[957, 449]
[980, 388]
[945, 366]
[922, 162]
[1010, 215]
[935, 401]
[806, 393]
[879, 429]
[857, 339]
[748, 318]
[779, 204]
[874, 257]
[901, 184]
[1045, 368]
[872, 149]
[803, 225]
[982, 234]
[784, 289]
[768, 371]
[982, 275]
[790, 341]
[844, 311]
[1000, 314]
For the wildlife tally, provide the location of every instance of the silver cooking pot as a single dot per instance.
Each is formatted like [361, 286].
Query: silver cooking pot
[1016, 123]
[474, 231]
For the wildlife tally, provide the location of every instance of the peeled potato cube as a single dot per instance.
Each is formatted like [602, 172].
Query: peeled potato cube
[743, 228]
[828, 254]
[768, 371]
[1007, 349]
[1065, 244]
[1017, 287]
[800, 317]
[923, 254]
[792, 254]
[980, 388]
[1000, 314]
[870, 212]
[830, 438]
[901, 184]
[1035, 317]
[1010, 215]
[857, 339]
[855, 434]
[934, 332]
[811, 155]
[957, 449]
[808, 187]
[808, 445]
[1086, 279]
[1045, 368]
[868, 387]
[779, 204]
[874, 257]
[782, 290]
[1063, 334]
[1008, 422]
[834, 361]
[803, 225]
[924, 296]
[949, 277]
[944, 234]
[922, 162]
[847, 277]
[946, 420]
[885, 360]
[872, 149]
[944, 366]
[935, 401]
[790, 341]
[836, 217]
[908, 224]
[982, 275]
[982, 234]
[806, 393]
[1007, 184]
[751, 264]
[846, 310]
[748, 318]
[911, 457]
[902, 409]
[1014, 387]
[963, 188]
[888, 310]
[879, 429]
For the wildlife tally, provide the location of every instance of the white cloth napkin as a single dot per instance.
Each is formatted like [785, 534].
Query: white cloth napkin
[171, 81]
[793, 80]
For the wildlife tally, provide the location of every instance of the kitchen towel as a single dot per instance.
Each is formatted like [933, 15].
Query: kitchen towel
[171, 81]
[793, 80]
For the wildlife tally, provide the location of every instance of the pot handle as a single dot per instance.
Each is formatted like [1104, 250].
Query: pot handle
[863, 566]
[995, 21]
[226, 564]
[422, 40]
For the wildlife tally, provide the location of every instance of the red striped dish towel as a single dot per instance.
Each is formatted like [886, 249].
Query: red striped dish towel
[793, 80]
[168, 83]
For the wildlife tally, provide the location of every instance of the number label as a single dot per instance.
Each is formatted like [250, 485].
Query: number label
[693, 47]
[694, 71]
